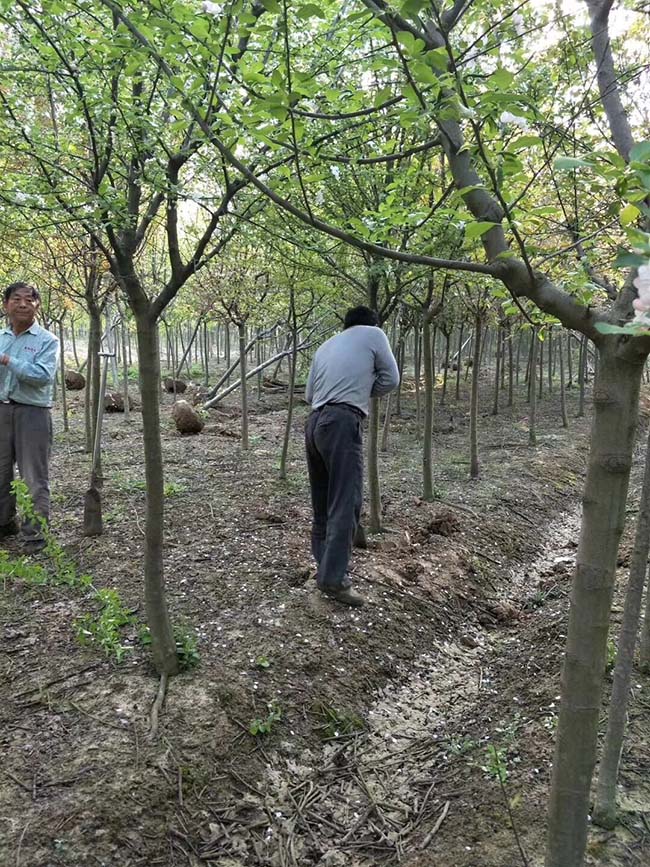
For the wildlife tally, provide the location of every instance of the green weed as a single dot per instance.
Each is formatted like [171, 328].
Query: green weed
[337, 723]
[186, 645]
[259, 726]
[105, 628]
[64, 570]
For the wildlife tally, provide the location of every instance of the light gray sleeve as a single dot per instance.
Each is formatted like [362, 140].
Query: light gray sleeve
[386, 370]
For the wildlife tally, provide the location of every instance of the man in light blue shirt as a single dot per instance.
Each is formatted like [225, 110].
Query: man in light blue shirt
[28, 362]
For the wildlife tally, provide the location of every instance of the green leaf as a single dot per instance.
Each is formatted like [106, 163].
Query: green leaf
[566, 164]
[629, 214]
[475, 230]
[633, 330]
[438, 58]
[310, 10]
[501, 79]
[525, 141]
[640, 152]
[626, 259]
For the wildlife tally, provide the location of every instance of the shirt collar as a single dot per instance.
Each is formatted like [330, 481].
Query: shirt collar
[33, 329]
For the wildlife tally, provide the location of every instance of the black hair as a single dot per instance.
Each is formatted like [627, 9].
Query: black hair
[360, 316]
[14, 287]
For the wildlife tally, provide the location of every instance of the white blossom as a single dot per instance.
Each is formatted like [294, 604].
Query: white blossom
[518, 21]
[210, 8]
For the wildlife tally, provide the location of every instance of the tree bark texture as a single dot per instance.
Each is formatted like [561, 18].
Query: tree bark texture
[605, 807]
[616, 396]
[163, 646]
[374, 491]
[474, 398]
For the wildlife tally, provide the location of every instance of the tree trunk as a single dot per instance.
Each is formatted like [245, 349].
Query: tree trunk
[459, 361]
[563, 413]
[206, 354]
[473, 407]
[511, 378]
[374, 491]
[293, 364]
[582, 364]
[244, 387]
[385, 435]
[163, 646]
[532, 383]
[94, 374]
[417, 359]
[549, 359]
[616, 395]
[427, 438]
[497, 373]
[446, 368]
[64, 397]
[605, 808]
[73, 338]
[125, 373]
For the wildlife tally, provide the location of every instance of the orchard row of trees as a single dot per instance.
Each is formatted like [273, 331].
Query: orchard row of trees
[419, 149]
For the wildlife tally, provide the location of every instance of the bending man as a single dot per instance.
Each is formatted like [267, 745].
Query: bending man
[28, 360]
[347, 370]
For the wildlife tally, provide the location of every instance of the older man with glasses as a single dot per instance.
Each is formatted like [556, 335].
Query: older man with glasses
[28, 363]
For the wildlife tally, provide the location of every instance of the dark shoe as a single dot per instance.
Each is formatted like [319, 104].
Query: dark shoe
[345, 595]
[33, 546]
[10, 529]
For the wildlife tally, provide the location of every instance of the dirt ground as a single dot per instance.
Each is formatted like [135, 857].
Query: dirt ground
[417, 730]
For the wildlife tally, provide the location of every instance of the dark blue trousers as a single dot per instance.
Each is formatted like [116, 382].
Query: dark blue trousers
[335, 462]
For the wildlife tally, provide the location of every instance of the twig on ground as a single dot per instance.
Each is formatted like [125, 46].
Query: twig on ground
[17, 781]
[20, 843]
[432, 833]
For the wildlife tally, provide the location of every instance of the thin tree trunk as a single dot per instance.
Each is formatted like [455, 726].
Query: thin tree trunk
[473, 408]
[447, 337]
[520, 338]
[427, 438]
[64, 397]
[163, 646]
[511, 378]
[125, 373]
[532, 419]
[293, 364]
[549, 361]
[187, 351]
[73, 338]
[605, 808]
[417, 343]
[540, 348]
[244, 387]
[374, 491]
[497, 373]
[616, 396]
[582, 364]
[563, 413]
[206, 354]
[385, 435]
[569, 358]
[459, 361]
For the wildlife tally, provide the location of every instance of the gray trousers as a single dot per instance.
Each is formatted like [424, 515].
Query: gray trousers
[25, 440]
[335, 464]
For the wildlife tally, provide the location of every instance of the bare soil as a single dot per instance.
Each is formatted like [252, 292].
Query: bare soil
[396, 721]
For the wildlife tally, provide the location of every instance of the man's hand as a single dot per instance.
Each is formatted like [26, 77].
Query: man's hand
[4, 359]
